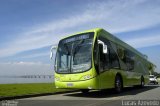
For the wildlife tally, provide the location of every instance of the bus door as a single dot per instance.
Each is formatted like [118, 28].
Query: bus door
[107, 63]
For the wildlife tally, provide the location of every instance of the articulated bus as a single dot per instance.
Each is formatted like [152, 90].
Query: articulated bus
[97, 60]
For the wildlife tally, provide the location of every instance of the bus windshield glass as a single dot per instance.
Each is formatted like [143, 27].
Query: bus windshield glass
[74, 54]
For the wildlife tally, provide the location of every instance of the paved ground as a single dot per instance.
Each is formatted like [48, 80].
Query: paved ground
[97, 98]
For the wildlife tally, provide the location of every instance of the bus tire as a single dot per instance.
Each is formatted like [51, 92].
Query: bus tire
[118, 84]
[84, 91]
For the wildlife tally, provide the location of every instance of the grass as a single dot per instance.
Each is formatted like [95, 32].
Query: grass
[9, 90]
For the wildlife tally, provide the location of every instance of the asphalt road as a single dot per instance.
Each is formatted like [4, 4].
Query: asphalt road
[150, 93]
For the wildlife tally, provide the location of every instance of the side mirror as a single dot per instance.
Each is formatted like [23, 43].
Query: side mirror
[105, 48]
[51, 54]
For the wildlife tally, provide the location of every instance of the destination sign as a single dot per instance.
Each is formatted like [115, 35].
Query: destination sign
[78, 37]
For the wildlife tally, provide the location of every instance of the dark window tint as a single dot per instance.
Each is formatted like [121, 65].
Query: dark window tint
[113, 56]
[129, 59]
[109, 60]
[127, 56]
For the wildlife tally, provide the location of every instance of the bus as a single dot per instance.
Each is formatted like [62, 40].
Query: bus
[97, 60]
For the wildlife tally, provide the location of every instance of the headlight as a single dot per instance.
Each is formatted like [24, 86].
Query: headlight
[87, 77]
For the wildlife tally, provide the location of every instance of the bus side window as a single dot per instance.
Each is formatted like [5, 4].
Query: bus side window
[103, 58]
[129, 59]
[114, 61]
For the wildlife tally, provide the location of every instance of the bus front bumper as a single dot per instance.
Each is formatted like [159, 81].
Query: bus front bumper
[85, 84]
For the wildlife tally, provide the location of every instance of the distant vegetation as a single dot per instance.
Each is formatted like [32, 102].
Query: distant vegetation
[8, 90]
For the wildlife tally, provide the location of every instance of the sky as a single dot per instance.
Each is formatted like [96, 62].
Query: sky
[28, 29]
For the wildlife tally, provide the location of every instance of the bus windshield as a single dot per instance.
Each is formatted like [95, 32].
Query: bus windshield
[74, 54]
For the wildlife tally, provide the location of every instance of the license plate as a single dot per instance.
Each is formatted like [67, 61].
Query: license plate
[69, 84]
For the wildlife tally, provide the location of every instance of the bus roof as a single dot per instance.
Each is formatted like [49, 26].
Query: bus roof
[91, 30]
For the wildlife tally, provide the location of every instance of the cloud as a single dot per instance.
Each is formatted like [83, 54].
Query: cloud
[37, 55]
[125, 16]
[143, 41]
[115, 16]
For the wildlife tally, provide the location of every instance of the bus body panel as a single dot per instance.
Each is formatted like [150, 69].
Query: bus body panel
[141, 66]
[106, 79]
[74, 77]
[77, 80]
[85, 84]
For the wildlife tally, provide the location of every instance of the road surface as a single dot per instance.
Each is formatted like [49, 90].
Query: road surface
[150, 93]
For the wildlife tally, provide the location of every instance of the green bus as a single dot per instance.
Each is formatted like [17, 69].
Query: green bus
[97, 60]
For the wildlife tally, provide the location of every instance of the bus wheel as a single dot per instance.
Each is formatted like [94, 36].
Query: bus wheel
[118, 84]
[84, 91]
[142, 82]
